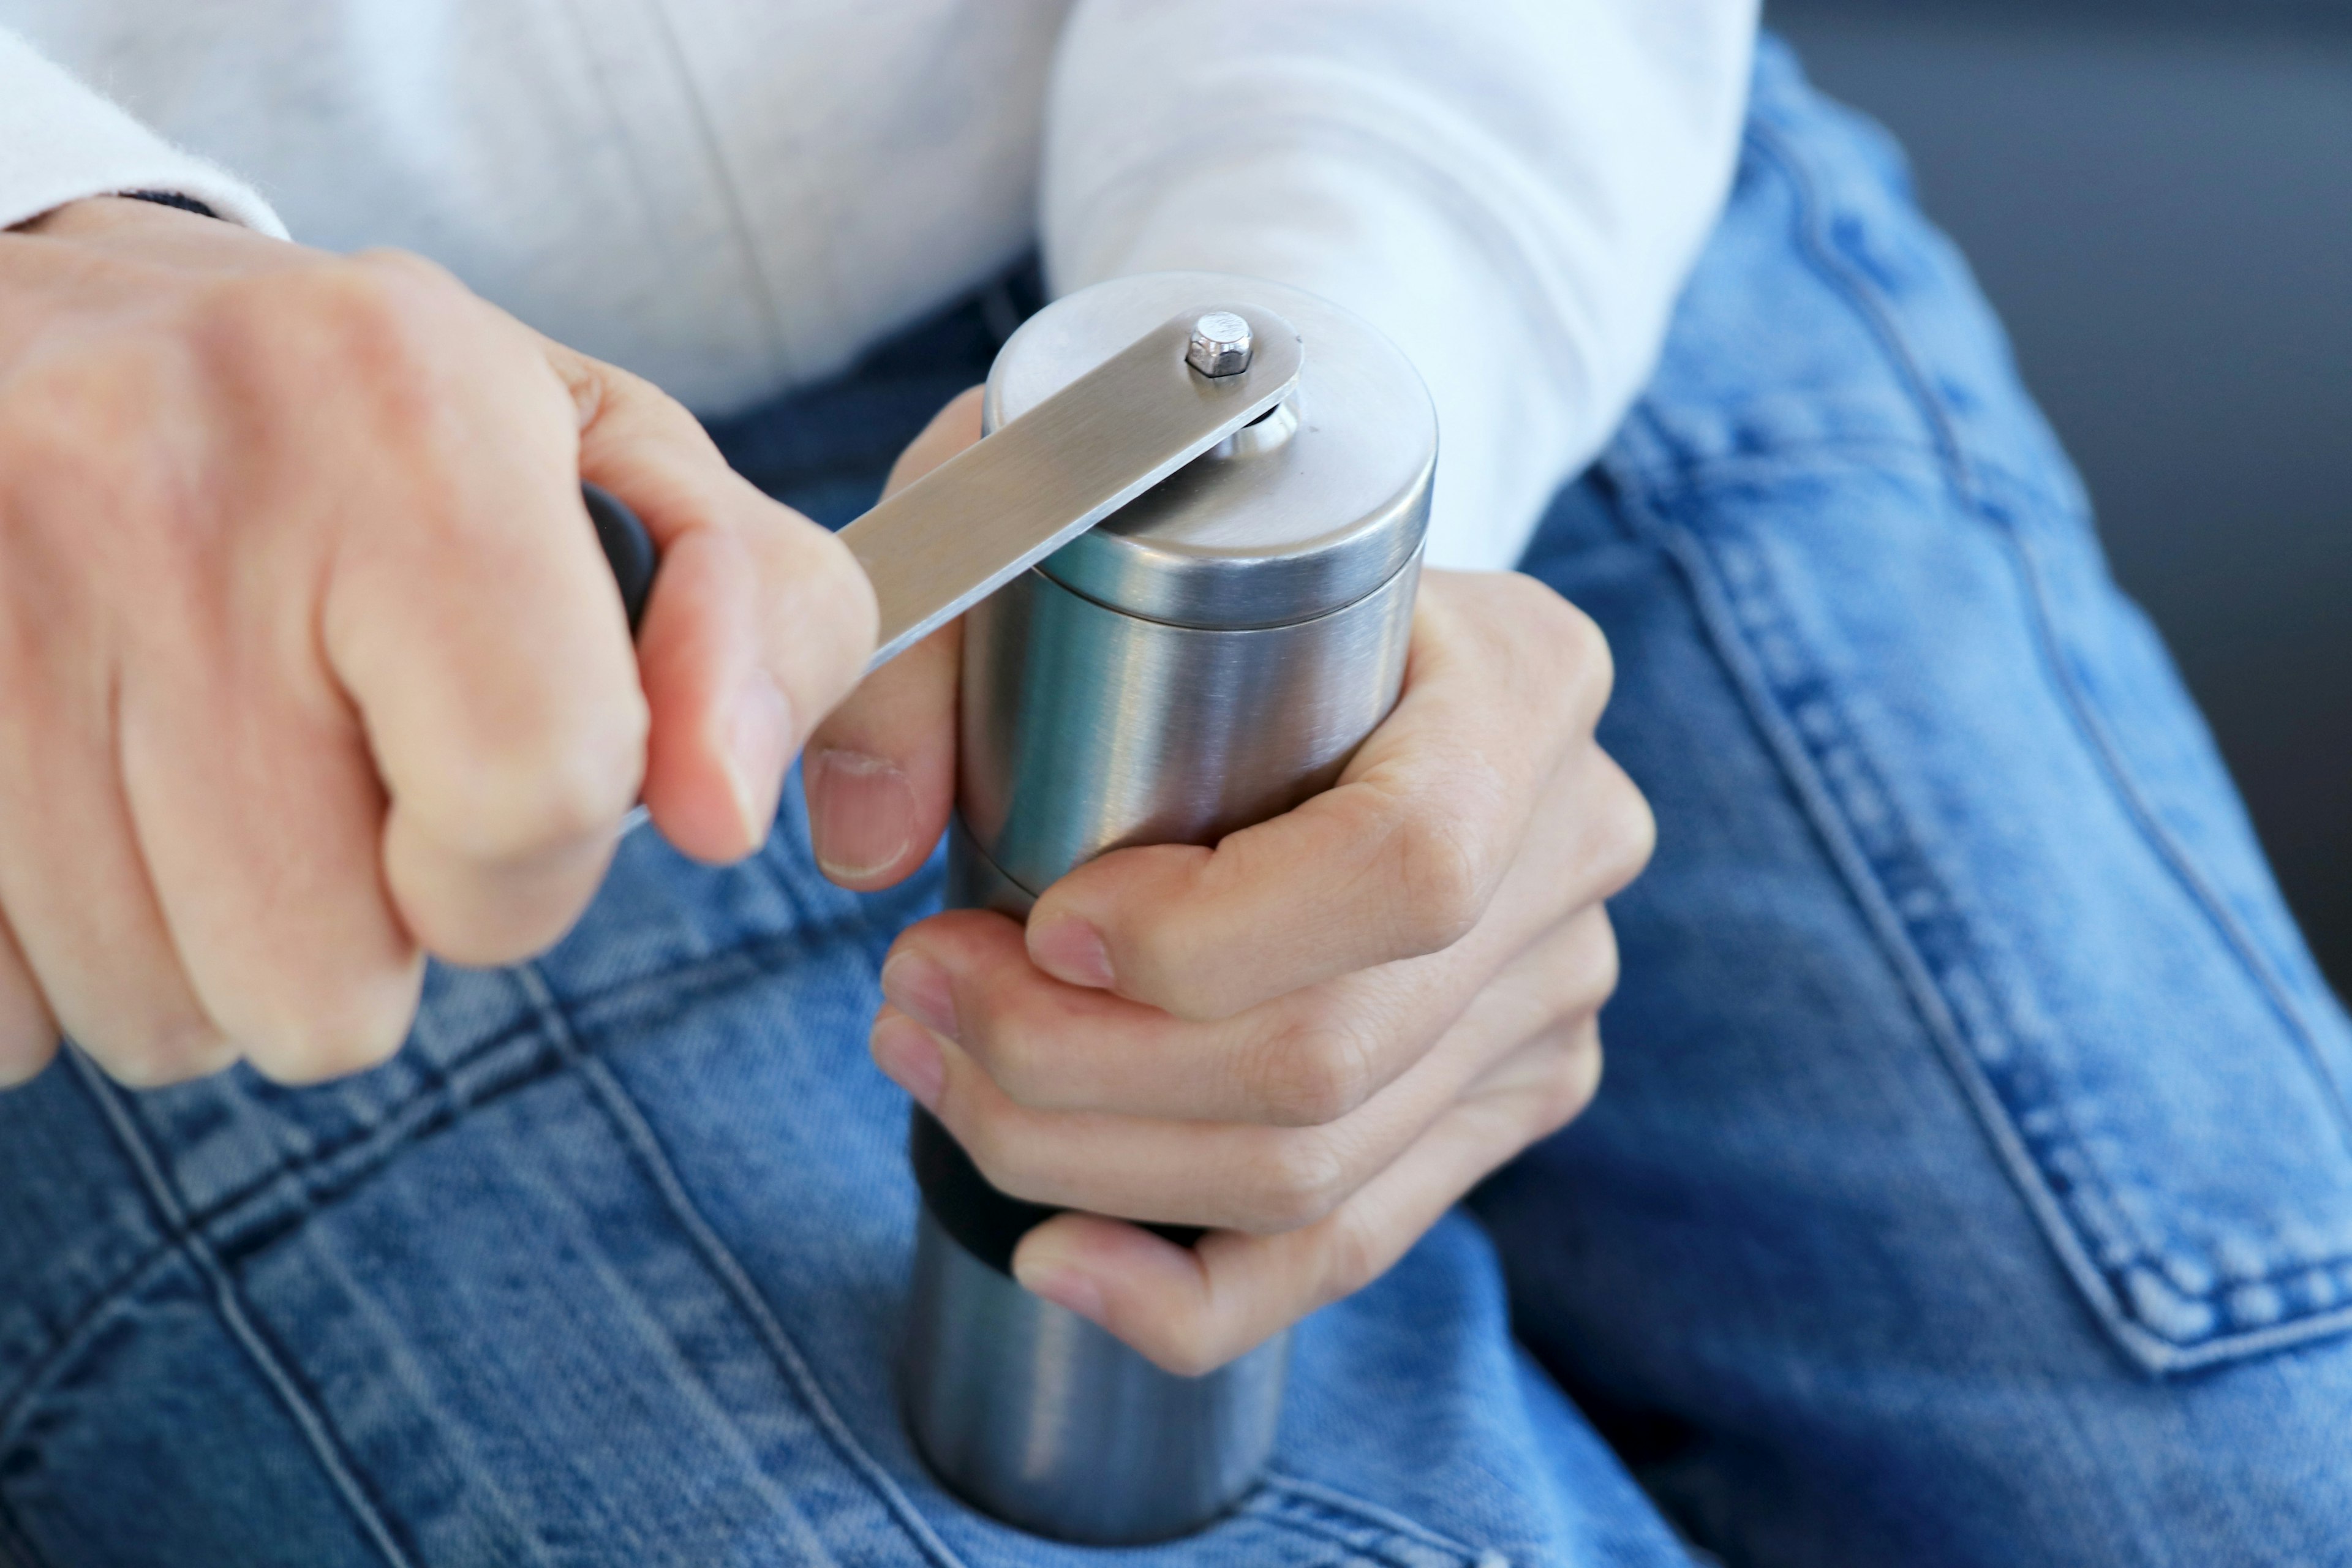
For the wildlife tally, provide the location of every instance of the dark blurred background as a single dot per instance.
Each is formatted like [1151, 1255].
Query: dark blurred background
[2158, 195]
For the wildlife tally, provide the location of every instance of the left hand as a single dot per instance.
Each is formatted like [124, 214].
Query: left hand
[1314, 1037]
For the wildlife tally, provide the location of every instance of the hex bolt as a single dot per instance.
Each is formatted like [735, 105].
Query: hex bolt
[1220, 345]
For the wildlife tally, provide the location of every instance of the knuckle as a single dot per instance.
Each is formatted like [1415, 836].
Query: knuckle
[372, 336]
[1314, 1072]
[1570, 1085]
[316, 1054]
[1558, 651]
[1442, 873]
[1586, 648]
[545, 792]
[1633, 831]
[1606, 965]
[1354, 1256]
[1016, 1045]
[1005, 1161]
[1302, 1178]
[835, 615]
[163, 1052]
[362, 1026]
[1574, 650]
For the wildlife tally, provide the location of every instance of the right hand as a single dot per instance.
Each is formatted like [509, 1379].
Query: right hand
[310, 665]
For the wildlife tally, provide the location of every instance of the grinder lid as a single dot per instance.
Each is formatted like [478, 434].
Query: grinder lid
[1302, 513]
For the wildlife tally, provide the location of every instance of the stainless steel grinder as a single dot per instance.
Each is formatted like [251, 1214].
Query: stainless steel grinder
[1207, 657]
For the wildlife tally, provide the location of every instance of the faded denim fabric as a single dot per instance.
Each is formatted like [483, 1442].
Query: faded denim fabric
[1972, 1183]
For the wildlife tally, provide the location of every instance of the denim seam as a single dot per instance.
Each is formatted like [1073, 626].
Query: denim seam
[396, 1121]
[77, 1334]
[1866, 877]
[1804, 459]
[1923, 976]
[1968, 489]
[2110, 1300]
[1377, 1553]
[1861, 876]
[628, 1120]
[397, 1127]
[1966, 484]
[2062, 1222]
[367, 1151]
[229, 1306]
[1373, 1515]
[1749, 613]
[302, 1185]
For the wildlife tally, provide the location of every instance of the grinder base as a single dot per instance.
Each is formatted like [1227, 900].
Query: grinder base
[1044, 1420]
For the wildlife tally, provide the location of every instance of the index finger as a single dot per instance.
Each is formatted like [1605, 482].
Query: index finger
[1398, 860]
[758, 621]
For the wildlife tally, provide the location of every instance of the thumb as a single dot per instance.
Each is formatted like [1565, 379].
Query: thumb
[759, 622]
[880, 772]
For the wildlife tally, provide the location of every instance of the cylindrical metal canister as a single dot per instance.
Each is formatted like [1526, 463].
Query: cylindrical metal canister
[1209, 657]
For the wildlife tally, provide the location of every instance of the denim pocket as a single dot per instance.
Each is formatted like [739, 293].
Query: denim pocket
[2021, 798]
[1895, 565]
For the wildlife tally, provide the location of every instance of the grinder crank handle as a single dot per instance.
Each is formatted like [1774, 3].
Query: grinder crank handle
[963, 531]
[629, 549]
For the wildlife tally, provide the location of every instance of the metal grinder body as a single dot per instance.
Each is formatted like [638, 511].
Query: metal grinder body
[1209, 655]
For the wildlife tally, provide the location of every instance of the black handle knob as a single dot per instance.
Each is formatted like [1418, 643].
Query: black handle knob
[986, 1223]
[628, 548]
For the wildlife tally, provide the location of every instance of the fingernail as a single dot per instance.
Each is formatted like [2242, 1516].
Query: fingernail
[1072, 952]
[861, 813]
[909, 1058]
[1064, 1286]
[919, 987]
[759, 744]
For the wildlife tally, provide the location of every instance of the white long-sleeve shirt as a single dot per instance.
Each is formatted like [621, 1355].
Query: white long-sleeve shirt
[735, 196]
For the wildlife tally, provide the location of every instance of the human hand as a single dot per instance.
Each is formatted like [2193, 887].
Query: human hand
[311, 665]
[1313, 1038]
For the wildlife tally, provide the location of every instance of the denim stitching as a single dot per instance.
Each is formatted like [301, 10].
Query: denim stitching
[1858, 293]
[403, 1123]
[1797, 460]
[2114, 1301]
[1866, 880]
[1374, 1515]
[1898, 860]
[1658, 496]
[1859, 875]
[645, 1145]
[398, 1128]
[1380, 1554]
[229, 1305]
[389, 1124]
[1926, 921]
[60, 1351]
[1966, 482]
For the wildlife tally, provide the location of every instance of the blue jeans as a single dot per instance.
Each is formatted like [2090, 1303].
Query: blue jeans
[1972, 1183]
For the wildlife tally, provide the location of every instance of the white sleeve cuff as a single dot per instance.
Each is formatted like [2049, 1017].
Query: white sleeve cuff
[1514, 193]
[60, 142]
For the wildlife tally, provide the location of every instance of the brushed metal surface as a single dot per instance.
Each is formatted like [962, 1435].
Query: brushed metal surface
[1207, 657]
[1041, 1419]
[1033, 482]
[1083, 730]
[1258, 531]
